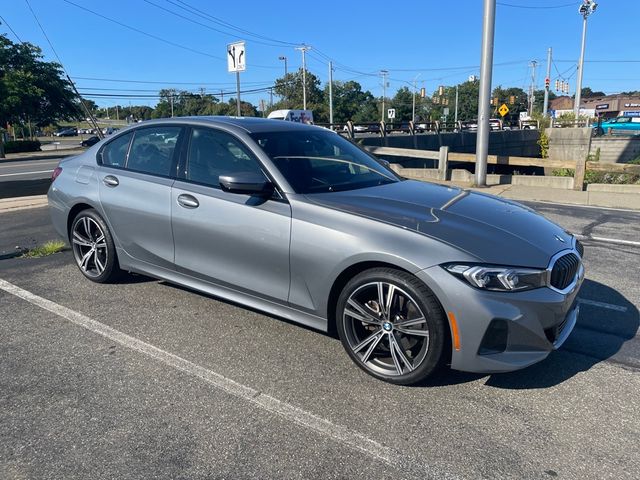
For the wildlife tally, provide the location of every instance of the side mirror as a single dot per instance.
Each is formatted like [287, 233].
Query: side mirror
[247, 183]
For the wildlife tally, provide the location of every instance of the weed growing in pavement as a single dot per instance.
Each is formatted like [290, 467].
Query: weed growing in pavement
[47, 248]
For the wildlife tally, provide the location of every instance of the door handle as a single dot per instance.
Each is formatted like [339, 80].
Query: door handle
[110, 181]
[188, 201]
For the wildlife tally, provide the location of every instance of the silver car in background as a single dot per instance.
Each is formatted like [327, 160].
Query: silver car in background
[300, 223]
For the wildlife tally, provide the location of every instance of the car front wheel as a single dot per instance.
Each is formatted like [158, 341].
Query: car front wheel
[93, 247]
[391, 325]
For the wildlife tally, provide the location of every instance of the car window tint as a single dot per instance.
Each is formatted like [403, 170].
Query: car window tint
[213, 153]
[321, 161]
[152, 150]
[114, 153]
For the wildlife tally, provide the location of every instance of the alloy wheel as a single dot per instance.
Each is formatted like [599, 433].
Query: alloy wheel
[89, 246]
[386, 329]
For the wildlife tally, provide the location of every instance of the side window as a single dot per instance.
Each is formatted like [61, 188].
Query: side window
[152, 150]
[114, 154]
[213, 153]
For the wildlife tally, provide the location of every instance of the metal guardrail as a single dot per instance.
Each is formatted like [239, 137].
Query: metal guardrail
[444, 157]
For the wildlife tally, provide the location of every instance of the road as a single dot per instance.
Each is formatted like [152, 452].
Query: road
[142, 379]
[26, 177]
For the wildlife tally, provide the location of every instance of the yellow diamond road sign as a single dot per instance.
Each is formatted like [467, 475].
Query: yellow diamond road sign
[503, 110]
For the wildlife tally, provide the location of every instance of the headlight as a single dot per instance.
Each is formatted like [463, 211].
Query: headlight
[503, 279]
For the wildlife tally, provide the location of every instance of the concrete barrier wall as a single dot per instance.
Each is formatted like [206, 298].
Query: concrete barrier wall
[570, 144]
[518, 143]
[616, 149]
[464, 176]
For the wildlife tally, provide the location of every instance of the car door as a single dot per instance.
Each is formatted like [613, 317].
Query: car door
[135, 175]
[235, 240]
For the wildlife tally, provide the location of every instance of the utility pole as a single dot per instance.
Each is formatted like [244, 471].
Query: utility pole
[271, 97]
[286, 82]
[331, 92]
[586, 9]
[413, 108]
[532, 95]
[456, 111]
[221, 96]
[384, 74]
[547, 85]
[117, 114]
[304, 49]
[484, 99]
[171, 104]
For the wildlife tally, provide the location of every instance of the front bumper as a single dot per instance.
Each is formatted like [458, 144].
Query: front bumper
[503, 331]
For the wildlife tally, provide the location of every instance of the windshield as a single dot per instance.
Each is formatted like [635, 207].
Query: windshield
[317, 161]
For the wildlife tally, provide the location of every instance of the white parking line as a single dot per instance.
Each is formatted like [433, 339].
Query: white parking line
[260, 400]
[24, 173]
[610, 306]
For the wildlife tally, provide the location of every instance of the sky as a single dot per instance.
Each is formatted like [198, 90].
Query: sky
[430, 42]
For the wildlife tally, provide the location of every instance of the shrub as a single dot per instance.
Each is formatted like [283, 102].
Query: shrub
[543, 141]
[22, 146]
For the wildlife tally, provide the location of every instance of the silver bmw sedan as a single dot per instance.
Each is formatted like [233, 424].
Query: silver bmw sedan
[298, 222]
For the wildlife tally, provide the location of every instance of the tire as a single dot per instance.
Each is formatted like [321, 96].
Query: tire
[417, 326]
[93, 247]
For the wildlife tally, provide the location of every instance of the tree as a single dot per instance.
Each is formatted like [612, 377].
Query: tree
[351, 103]
[403, 104]
[505, 95]
[586, 92]
[289, 88]
[32, 90]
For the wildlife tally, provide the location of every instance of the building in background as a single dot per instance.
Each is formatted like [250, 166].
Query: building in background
[609, 106]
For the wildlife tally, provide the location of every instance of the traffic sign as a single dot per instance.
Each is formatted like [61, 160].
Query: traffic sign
[391, 113]
[503, 110]
[236, 60]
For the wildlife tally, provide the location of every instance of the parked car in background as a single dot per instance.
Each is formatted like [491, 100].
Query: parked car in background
[67, 132]
[89, 142]
[620, 125]
[495, 124]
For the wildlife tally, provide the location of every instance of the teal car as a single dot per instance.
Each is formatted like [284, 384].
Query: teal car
[619, 125]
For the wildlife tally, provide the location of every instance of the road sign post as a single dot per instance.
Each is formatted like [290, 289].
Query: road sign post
[236, 62]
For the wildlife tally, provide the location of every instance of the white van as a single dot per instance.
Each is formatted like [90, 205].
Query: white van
[300, 116]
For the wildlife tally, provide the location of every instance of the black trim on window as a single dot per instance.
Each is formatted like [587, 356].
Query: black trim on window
[278, 194]
[173, 170]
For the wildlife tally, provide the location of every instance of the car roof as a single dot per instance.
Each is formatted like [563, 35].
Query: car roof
[248, 124]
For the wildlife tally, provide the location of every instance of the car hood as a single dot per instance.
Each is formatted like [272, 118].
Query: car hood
[492, 229]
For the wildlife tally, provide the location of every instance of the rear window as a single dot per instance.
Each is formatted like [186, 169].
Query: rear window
[152, 150]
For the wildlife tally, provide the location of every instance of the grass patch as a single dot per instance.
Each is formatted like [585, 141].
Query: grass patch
[48, 248]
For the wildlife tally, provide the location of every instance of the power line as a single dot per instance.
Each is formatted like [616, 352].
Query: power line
[45, 36]
[142, 32]
[179, 15]
[12, 30]
[192, 9]
[115, 80]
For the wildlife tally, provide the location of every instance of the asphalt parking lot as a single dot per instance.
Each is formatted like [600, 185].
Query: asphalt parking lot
[143, 379]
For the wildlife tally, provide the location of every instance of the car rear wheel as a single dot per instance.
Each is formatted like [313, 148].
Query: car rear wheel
[391, 325]
[93, 247]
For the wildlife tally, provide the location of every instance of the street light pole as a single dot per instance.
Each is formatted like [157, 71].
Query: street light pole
[586, 9]
[304, 49]
[484, 107]
[331, 92]
[456, 112]
[384, 74]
